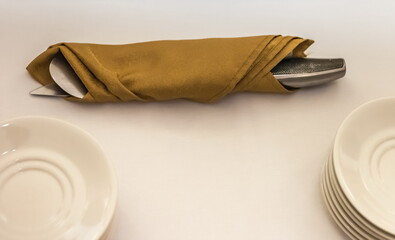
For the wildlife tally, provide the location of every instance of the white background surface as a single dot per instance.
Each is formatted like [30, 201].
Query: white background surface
[247, 167]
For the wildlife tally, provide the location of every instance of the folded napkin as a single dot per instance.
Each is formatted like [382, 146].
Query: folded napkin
[203, 70]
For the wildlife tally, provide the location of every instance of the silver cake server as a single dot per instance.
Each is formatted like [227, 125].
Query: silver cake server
[291, 72]
[66, 82]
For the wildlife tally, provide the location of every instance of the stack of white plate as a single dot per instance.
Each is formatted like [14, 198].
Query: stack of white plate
[55, 182]
[358, 181]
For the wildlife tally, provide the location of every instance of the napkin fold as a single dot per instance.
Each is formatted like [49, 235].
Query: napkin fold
[202, 70]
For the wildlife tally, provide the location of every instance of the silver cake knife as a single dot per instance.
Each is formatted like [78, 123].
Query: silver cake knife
[291, 72]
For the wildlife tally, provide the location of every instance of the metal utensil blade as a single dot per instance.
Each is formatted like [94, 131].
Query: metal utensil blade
[51, 90]
[65, 77]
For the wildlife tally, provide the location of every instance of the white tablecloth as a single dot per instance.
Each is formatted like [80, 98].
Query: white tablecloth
[247, 167]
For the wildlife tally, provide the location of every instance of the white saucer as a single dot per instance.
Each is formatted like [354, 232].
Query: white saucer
[330, 206]
[336, 210]
[55, 182]
[364, 161]
[350, 211]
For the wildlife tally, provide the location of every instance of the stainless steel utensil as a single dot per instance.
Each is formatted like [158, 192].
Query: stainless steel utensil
[66, 82]
[308, 72]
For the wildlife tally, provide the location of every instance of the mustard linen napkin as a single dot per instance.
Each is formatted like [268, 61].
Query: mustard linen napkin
[203, 70]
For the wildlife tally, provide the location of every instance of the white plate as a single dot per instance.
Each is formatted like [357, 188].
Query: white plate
[364, 161]
[350, 210]
[55, 182]
[348, 221]
[340, 221]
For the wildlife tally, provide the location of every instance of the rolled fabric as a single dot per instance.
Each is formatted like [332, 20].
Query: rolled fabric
[202, 70]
